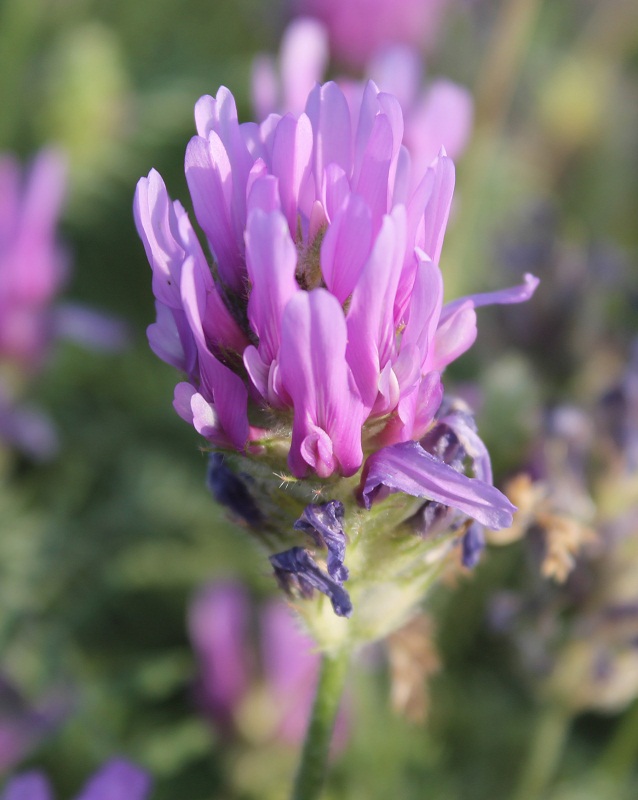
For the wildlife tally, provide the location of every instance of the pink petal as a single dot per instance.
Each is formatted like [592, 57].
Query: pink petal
[328, 412]
[408, 468]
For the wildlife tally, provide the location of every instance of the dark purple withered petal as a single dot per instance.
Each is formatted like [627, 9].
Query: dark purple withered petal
[296, 569]
[230, 491]
[322, 522]
[472, 545]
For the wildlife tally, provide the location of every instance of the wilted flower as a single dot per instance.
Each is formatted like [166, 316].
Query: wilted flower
[361, 28]
[272, 685]
[33, 270]
[439, 115]
[116, 779]
[320, 335]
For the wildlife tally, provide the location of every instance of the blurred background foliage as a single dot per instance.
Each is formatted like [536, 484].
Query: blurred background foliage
[101, 550]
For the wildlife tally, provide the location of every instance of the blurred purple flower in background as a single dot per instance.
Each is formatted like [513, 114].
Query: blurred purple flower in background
[34, 268]
[276, 673]
[22, 725]
[358, 29]
[439, 115]
[118, 779]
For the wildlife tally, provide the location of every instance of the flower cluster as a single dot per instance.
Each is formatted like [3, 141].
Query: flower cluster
[320, 329]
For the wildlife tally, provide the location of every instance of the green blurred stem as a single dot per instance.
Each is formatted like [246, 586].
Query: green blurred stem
[619, 759]
[546, 749]
[314, 758]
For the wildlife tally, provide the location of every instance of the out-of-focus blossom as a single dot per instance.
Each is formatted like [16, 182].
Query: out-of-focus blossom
[580, 510]
[33, 270]
[439, 115]
[118, 779]
[359, 29]
[269, 681]
[320, 335]
[24, 726]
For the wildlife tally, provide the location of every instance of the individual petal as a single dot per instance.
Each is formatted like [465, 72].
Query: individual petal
[156, 223]
[408, 468]
[454, 336]
[209, 178]
[323, 522]
[218, 620]
[423, 312]
[370, 320]
[231, 491]
[295, 569]
[329, 115]
[219, 384]
[271, 258]
[431, 228]
[170, 338]
[31, 785]
[514, 294]
[372, 181]
[346, 247]
[291, 163]
[263, 190]
[328, 412]
[117, 778]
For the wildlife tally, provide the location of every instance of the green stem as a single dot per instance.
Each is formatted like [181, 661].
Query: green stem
[545, 753]
[619, 759]
[314, 758]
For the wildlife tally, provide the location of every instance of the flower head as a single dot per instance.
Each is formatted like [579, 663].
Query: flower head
[320, 331]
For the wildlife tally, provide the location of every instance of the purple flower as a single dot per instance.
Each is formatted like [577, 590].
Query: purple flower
[360, 28]
[231, 667]
[33, 271]
[325, 300]
[118, 779]
[319, 332]
[33, 265]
